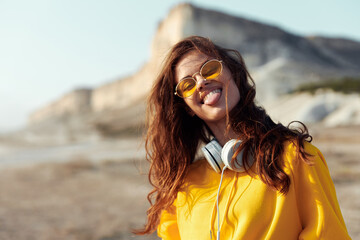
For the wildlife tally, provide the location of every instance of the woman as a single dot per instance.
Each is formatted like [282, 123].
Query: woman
[279, 187]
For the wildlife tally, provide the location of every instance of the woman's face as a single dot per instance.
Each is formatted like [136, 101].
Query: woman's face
[209, 100]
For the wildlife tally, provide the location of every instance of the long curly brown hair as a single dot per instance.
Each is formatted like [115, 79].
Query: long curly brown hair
[174, 136]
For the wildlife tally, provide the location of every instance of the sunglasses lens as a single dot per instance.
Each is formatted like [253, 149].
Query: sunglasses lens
[211, 70]
[186, 87]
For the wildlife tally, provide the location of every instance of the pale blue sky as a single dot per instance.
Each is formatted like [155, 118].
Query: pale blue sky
[49, 47]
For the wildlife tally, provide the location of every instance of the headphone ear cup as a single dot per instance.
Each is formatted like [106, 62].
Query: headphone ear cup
[227, 153]
[212, 152]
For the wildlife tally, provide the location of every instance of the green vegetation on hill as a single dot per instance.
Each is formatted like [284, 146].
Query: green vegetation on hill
[345, 85]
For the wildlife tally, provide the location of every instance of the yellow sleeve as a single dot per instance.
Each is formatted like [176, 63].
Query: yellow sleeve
[317, 203]
[168, 228]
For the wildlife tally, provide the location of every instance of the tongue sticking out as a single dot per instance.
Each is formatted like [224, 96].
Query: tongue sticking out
[212, 97]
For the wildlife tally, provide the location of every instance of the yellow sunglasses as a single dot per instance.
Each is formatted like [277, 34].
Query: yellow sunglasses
[210, 70]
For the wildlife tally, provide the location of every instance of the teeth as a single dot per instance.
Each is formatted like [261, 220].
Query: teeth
[211, 93]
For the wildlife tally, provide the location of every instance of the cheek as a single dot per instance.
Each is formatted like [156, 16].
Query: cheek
[190, 104]
[234, 93]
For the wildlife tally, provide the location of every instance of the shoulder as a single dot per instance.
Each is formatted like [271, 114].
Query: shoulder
[292, 156]
[290, 148]
[198, 172]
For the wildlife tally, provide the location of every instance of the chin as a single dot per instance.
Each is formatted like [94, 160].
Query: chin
[216, 117]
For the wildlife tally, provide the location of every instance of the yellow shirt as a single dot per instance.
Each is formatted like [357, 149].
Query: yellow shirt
[251, 210]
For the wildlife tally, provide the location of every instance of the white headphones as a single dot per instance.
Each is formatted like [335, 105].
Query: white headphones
[219, 157]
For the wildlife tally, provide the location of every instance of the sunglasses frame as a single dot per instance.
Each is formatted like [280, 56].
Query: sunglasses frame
[199, 72]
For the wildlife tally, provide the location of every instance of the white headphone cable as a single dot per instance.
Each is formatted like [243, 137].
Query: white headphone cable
[217, 203]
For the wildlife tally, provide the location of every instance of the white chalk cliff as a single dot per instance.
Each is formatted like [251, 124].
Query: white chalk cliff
[278, 61]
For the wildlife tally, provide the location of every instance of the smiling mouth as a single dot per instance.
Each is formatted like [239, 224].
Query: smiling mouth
[211, 97]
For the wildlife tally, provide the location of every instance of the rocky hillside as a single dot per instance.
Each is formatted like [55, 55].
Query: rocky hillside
[279, 61]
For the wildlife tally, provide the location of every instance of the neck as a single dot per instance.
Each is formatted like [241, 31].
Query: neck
[220, 133]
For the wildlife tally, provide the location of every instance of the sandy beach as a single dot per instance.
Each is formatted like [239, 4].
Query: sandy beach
[86, 193]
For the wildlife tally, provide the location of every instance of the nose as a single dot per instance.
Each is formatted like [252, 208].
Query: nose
[200, 82]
